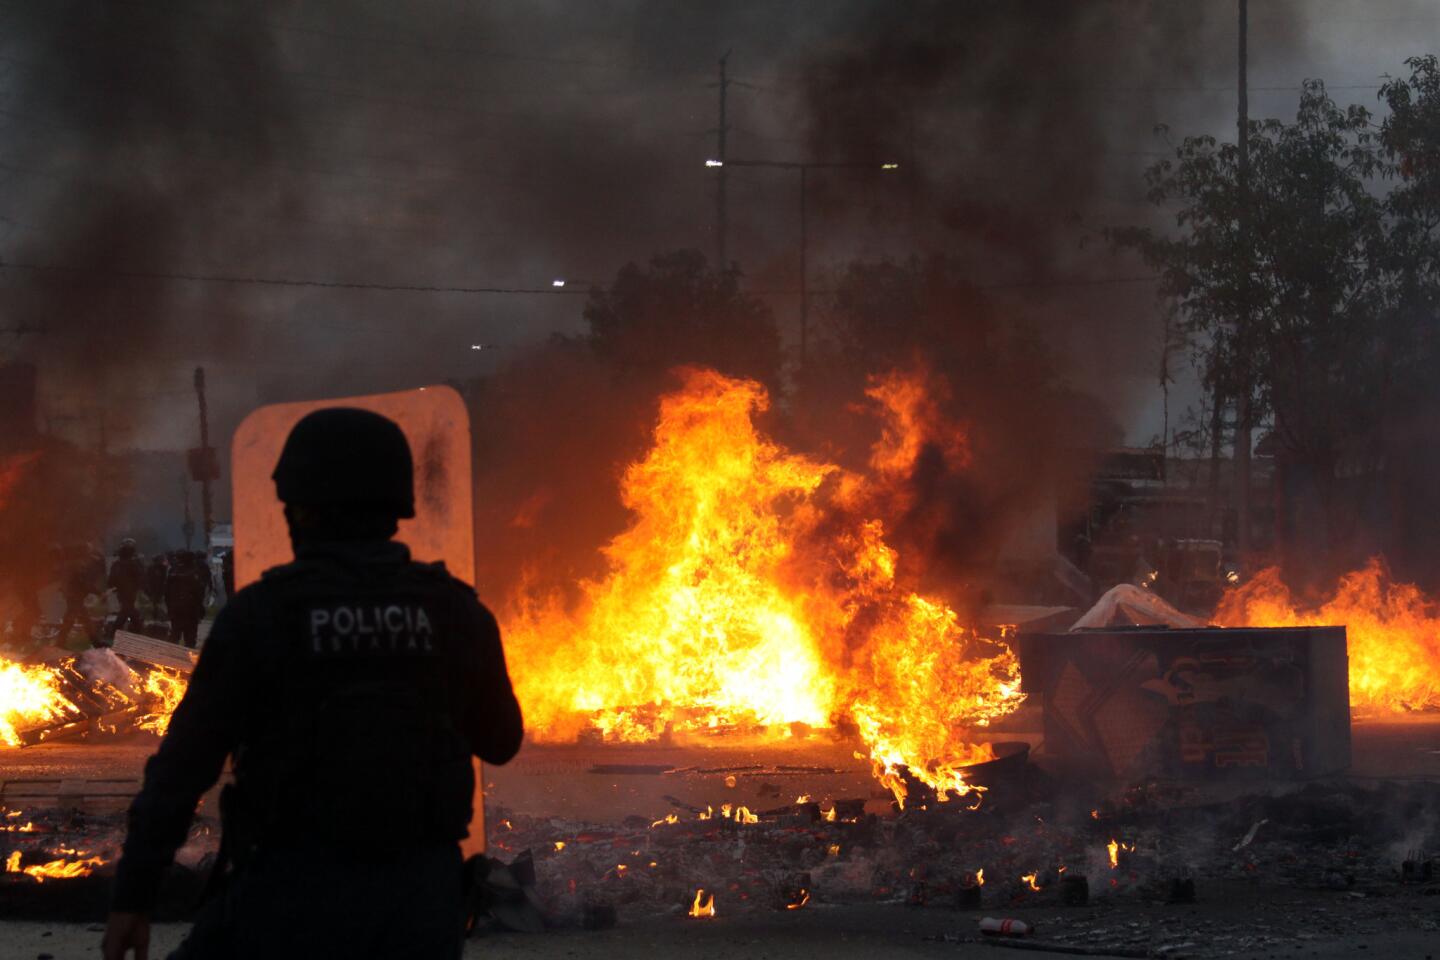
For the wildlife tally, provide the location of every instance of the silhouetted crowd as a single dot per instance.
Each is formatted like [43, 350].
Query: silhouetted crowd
[166, 594]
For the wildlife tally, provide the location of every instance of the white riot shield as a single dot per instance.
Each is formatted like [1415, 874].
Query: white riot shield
[438, 427]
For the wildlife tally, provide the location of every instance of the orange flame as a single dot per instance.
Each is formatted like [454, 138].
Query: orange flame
[750, 591]
[702, 908]
[804, 899]
[30, 696]
[1393, 632]
[1029, 880]
[1114, 849]
[33, 696]
[164, 688]
[55, 869]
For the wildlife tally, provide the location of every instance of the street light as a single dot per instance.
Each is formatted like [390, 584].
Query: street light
[804, 167]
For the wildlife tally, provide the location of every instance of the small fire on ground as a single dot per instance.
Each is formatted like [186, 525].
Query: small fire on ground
[703, 906]
[55, 869]
[756, 590]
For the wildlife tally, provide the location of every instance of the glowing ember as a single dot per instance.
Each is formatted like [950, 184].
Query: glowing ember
[751, 591]
[804, 899]
[1114, 849]
[1029, 881]
[1393, 632]
[702, 907]
[559, 845]
[672, 818]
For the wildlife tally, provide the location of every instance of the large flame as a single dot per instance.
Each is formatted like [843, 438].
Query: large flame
[751, 591]
[1393, 631]
[30, 696]
[34, 696]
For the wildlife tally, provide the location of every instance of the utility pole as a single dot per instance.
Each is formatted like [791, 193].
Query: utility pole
[804, 274]
[721, 226]
[188, 527]
[202, 461]
[1243, 410]
[803, 168]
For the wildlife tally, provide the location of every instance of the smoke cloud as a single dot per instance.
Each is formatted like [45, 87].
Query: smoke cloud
[458, 147]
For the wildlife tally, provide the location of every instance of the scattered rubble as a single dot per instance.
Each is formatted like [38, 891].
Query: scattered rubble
[1158, 846]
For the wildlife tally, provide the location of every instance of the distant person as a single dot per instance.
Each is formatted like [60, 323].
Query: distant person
[82, 572]
[200, 563]
[184, 599]
[156, 571]
[227, 573]
[350, 685]
[127, 576]
[25, 581]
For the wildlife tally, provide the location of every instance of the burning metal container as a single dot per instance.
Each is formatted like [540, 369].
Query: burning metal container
[1248, 702]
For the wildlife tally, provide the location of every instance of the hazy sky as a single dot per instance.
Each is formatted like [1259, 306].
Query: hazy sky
[462, 145]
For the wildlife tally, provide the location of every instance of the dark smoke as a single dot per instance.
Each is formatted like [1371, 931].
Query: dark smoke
[455, 145]
[147, 136]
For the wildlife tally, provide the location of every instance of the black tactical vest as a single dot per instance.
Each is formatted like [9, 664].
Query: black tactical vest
[360, 749]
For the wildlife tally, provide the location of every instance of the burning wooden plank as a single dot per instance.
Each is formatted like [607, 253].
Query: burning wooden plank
[156, 653]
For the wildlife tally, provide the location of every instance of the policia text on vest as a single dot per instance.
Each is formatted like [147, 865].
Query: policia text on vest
[398, 628]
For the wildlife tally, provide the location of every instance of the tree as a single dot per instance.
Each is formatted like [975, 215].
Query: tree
[676, 311]
[1281, 289]
[1411, 345]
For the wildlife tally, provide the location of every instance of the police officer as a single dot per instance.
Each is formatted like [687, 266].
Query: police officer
[351, 687]
[127, 576]
[157, 571]
[84, 571]
[184, 599]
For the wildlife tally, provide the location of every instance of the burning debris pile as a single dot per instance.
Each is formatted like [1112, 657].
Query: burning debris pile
[755, 592]
[58, 862]
[1146, 846]
[55, 848]
[77, 696]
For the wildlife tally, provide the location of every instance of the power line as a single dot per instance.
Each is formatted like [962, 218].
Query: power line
[172, 276]
[162, 275]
